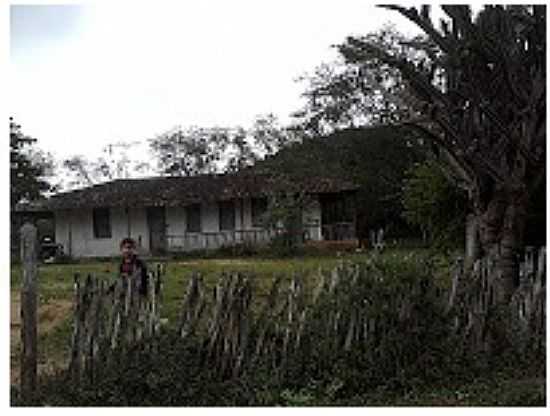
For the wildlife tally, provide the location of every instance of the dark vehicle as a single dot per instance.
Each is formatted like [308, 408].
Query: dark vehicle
[49, 249]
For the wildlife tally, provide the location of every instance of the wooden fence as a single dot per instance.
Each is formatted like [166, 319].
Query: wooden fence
[289, 322]
[349, 308]
[29, 260]
[214, 240]
[110, 317]
[473, 295]
[257, 236]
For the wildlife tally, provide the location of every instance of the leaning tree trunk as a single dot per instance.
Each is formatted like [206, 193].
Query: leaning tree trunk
[472, 243]
[501, 229]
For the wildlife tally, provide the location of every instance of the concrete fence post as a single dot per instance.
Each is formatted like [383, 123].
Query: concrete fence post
[29, 247]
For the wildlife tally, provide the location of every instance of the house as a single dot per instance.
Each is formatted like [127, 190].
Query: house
[33, 212]
[170, 214]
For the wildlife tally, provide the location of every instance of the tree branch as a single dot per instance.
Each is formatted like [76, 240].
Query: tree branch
[425, 24]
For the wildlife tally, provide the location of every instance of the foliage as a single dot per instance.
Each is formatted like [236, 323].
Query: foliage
[56, 280]
[202, 150]
[474, 88]
[28, 167]
[193, 151]
[415, 363]
[434, 205]
[269, 136]
[465, 84]
[115, 162]
[180, 152]
[346, 97]
[285, 215]
[349, 94]
[412, 347]
[245, 249]
[178, 380]
[375, 159]
[479, 95]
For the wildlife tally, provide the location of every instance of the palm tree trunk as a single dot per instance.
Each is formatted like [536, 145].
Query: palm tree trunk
[472, 248]
[501, 229]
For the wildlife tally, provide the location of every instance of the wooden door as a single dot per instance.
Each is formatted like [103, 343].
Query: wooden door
[156, 222]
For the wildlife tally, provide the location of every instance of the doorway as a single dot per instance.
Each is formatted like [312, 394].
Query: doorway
[156, 222]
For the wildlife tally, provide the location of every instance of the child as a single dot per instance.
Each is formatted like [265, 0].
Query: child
[130, 263]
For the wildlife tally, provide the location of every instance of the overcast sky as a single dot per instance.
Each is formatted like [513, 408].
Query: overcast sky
[84, 76]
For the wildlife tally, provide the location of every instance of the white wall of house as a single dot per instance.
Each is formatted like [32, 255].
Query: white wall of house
[62, 229]
[74, 228]
[210, 236]
[210, 218]
[311, 217]
[239, 218]
[247, 213]
[138, 228]
[176, 220]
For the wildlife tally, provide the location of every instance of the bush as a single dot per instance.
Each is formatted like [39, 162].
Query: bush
[409, 353]
[434, 204]
[245, 249]
[66, 260]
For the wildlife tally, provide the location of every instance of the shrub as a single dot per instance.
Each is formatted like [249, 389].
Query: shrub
[411, 346]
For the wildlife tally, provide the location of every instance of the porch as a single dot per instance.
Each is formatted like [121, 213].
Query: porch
[213, 240]
[189, 241]
[339, 231]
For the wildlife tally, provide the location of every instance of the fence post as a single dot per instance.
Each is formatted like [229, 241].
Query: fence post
[28, 368]
[74, 365]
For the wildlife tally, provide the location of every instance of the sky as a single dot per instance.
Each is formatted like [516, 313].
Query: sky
[84, 76]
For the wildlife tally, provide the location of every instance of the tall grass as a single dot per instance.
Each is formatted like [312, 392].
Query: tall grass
[410, 353]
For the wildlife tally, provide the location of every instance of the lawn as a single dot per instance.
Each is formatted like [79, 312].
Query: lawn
[55, 291]
[55, 322]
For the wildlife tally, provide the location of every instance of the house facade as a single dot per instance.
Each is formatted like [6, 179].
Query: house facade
[183, 214]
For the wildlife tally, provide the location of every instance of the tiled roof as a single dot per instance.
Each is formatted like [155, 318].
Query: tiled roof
[174, 191]
[37, 206]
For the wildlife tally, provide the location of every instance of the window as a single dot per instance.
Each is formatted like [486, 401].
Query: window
[259, 208]
[194, 218]
[337, 208]
[227, 215]
[102, 222]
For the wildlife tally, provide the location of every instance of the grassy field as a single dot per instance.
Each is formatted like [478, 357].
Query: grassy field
[56, 281]
[55, 289]
[55, 320]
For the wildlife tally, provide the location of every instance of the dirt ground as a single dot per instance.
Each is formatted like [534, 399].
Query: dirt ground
[50, 316]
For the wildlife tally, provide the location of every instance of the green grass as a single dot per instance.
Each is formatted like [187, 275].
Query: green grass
[56, 281]
[261, 272]
[507, 388]
[508, 391]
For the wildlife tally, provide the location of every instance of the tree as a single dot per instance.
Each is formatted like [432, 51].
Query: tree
[28, 167]
[374, 158]
[480, 96]
[434, 204]
[284, 214]
[115, 163]
[191, 151]
[269, 136]
[348, 94]
[204, 150]
[79, 166]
